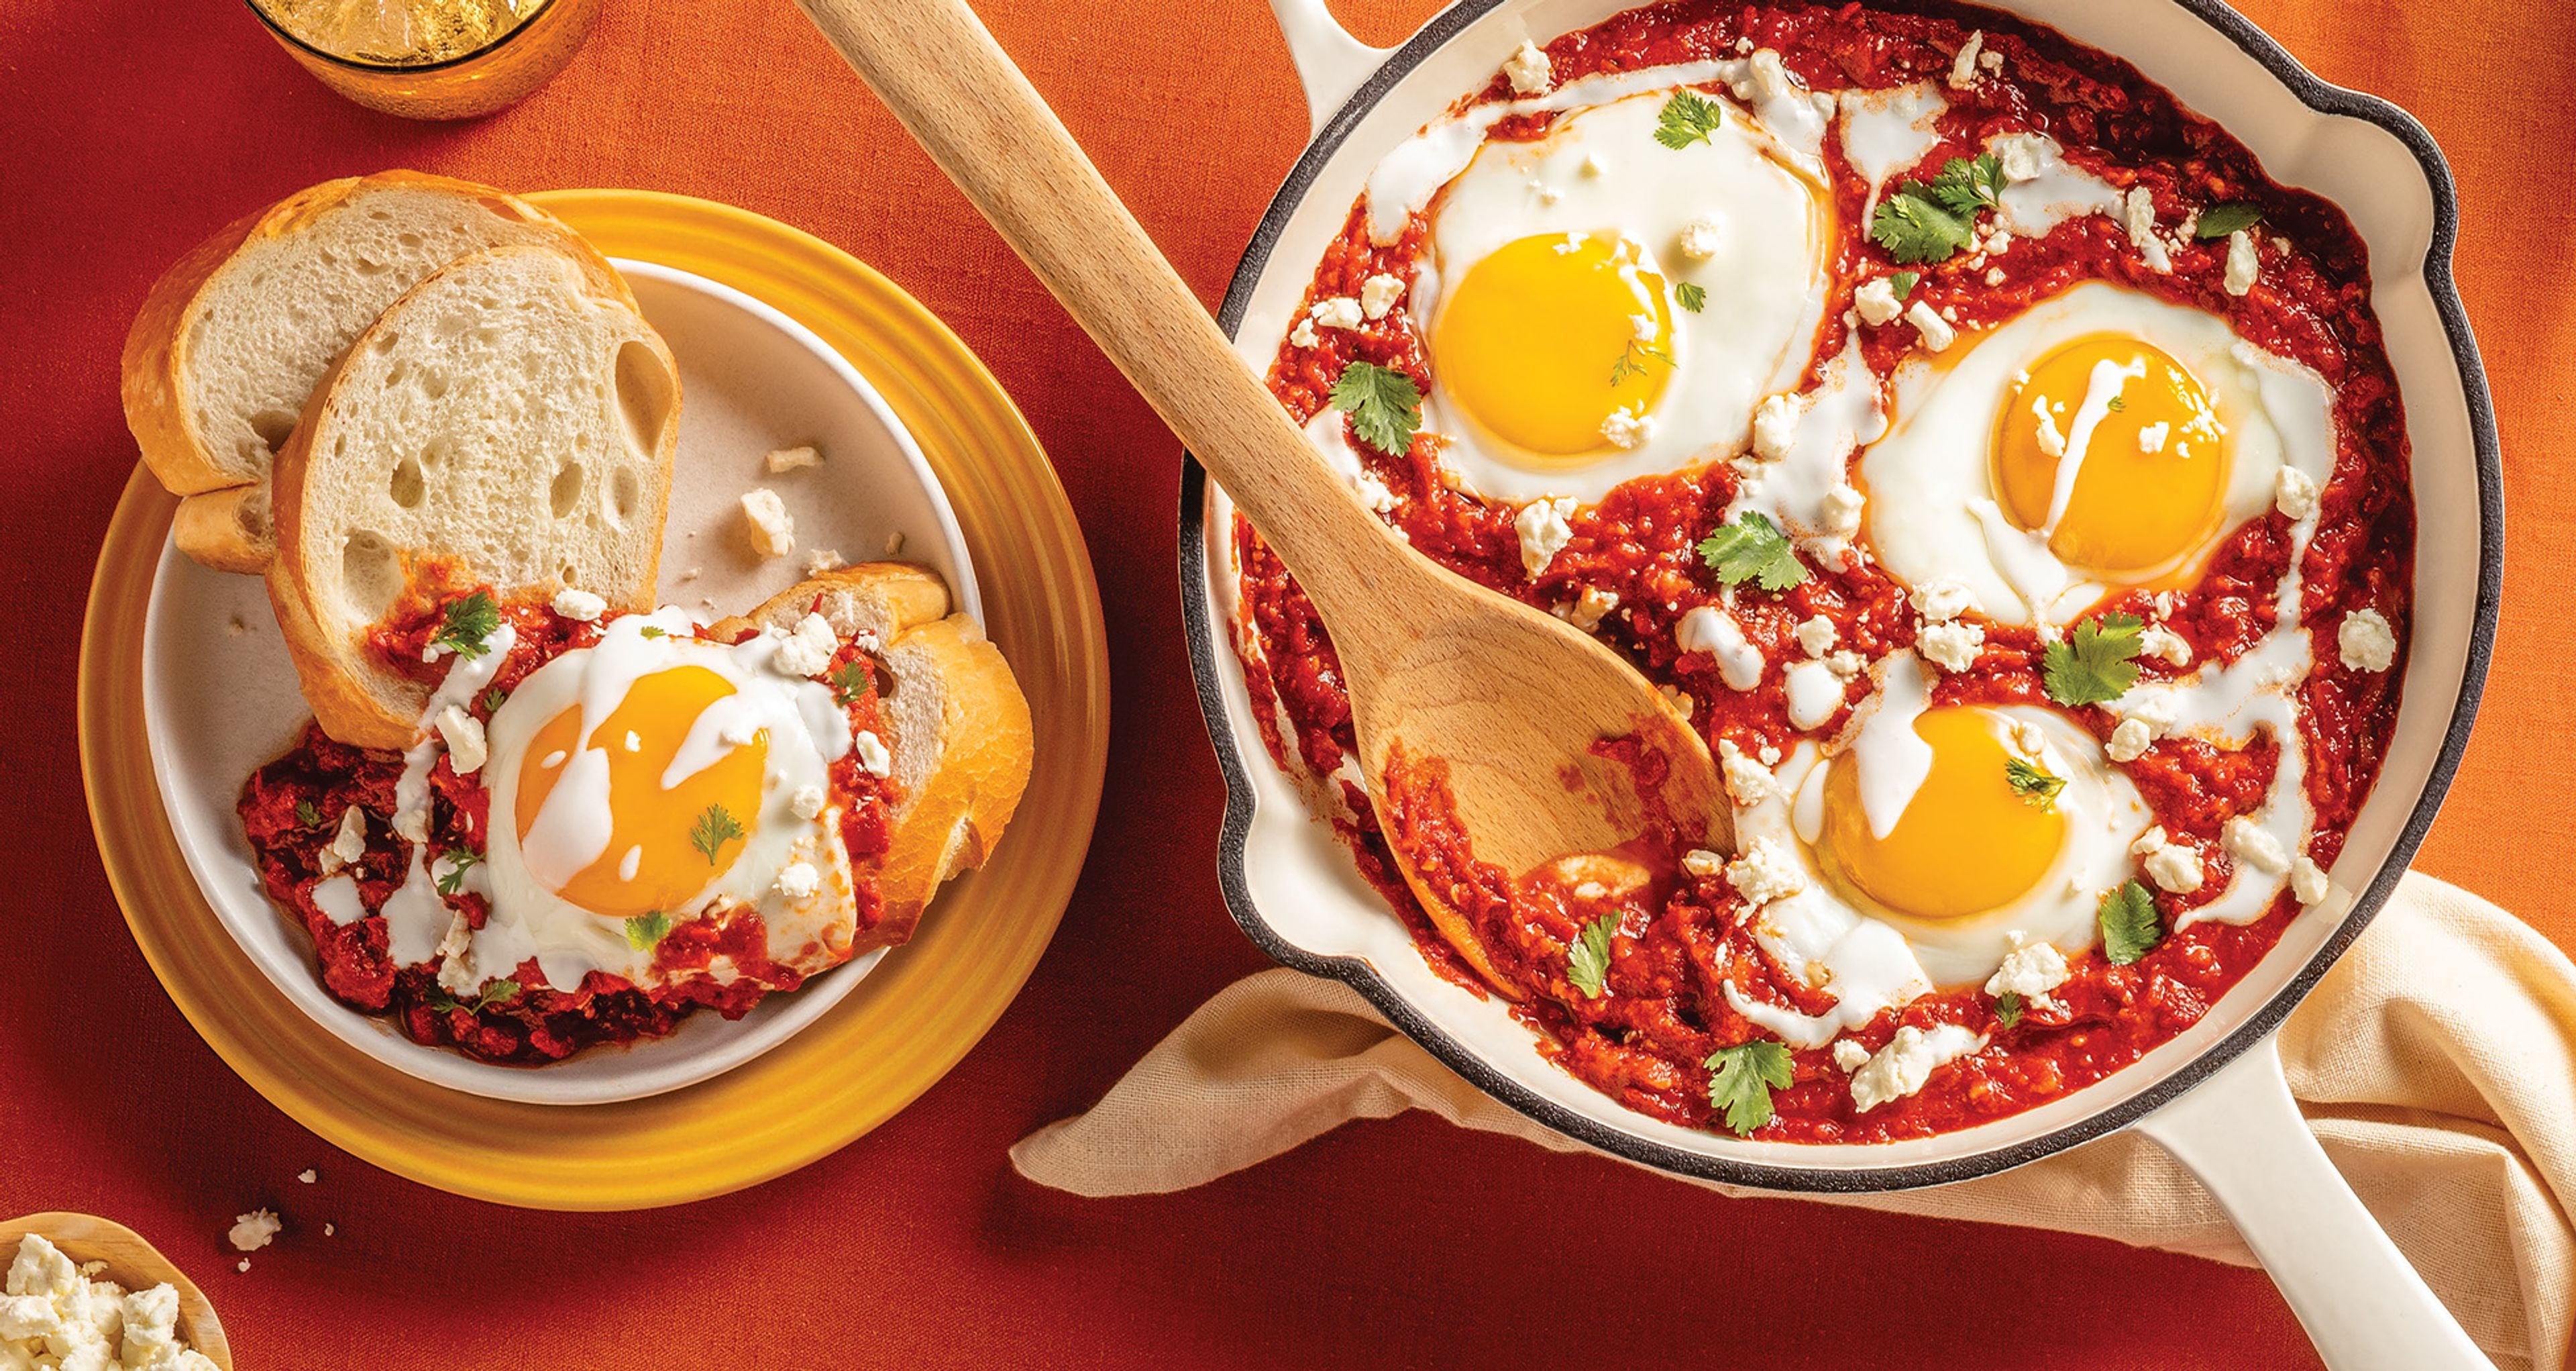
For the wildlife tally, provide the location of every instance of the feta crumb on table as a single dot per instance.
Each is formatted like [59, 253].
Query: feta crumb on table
[764, 516]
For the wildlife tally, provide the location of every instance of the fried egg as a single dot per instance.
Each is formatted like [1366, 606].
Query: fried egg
[2101, 440]
[1596, 305]
[1919, 862]
[648, 780]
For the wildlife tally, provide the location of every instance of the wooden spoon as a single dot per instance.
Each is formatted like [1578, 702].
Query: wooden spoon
[132, 1263]
[1511, 699]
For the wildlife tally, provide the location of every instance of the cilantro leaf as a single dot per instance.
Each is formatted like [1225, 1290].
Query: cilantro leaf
[1587, 962]
[1915, 227]
[1904, 282]
[493, 698]
[651, 631]
[851, 681]
[465, 624]
[306, 816]
[2218, 221]
[645, 932]
[2095, 663]
[1753, 549]
[2008, 1009]
[1691, 296]
[498, 992]
[2115, 404]
[2131, 928]
[1688, 119]
[2032, 783]
[453, 879]
[1632, 361]
[715, 828]
[1967, 185]
[1746, 1076]
[1384, 404]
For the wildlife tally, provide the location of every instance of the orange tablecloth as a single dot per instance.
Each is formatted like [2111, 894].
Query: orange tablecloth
[129, 128]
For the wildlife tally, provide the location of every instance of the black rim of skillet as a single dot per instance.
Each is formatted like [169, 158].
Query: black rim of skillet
[1205, 642]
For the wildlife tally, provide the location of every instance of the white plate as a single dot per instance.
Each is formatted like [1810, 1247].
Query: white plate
[220, 698]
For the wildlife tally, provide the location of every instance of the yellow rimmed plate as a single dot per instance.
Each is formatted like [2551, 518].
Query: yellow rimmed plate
[868, 1056]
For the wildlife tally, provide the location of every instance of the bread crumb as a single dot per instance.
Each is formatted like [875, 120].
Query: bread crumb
[237, 626]
[823, 559]
[308, 1175]
[330, 1230]
[242, 1266]
[765, 520]
[894, 544]
[788, 459]
[692, 573]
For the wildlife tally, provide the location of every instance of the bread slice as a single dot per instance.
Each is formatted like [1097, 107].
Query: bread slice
[956, 724]
[231, 341]
[510, 422]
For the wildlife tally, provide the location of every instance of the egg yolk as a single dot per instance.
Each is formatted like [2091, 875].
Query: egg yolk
[1548, 336]
[1966, 844]
[2113, 448]
[666, 843]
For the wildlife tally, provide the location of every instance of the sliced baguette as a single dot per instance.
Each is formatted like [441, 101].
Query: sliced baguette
[230, 344]
[956, 724]
[510, 421]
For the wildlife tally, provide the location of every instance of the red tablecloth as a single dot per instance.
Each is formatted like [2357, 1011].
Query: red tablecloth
[133, 127]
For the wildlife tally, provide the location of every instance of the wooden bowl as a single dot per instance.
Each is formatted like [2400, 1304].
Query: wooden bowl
[132, 1263]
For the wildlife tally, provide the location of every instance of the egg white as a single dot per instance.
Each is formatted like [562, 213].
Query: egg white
[1933, 512]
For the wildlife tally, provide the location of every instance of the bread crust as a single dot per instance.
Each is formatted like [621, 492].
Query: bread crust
[354, 698]
[984, 746]
[154, 370]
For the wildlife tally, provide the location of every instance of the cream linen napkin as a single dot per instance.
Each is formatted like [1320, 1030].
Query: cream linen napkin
[2437, 1063]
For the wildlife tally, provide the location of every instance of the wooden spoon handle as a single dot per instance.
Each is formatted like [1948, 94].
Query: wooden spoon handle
[957, 92]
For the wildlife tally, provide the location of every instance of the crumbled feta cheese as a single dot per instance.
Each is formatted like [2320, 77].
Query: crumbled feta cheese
[1702, 238]
[873, 756]
[799, 880]
[1775, 427]
[1840, 510]
[60, 1315]
[466, 751]
[1304, 334]
[1527, 68]
[1678, 698]
[252, 1231]
[1816, 636]
[1963, 68]
[1748, 782]
[2151, 437]
[2129, 741]
[2138, 216]
[2170, 865]
[1379, 293]
[808, 649]
[2253, 847]
[2294, 493]
[579, 605]
[2366, 642]
[1991, 60]
[2052, 443]
[347, 845]
[1936, 331]
[1845, 664]
[1907, 1062]
[2030, 970]
[308, 1176]
[765, 519]
[2030, 738]
[2165, 645]
[1588, 608]
[1952, 646]
[2019, 155]
[1765, 873]
[1994, 276]
[1849, 1055]
[1627, 429]
[1702, 863]
[1767, 76]
[1876, 300]
[2308, 880]
[808, 801]
[823, 559]
[2242, 264]
[2149, 841]
[1543, 531]
[1339, 311]
[780, 461]
[1942, 600]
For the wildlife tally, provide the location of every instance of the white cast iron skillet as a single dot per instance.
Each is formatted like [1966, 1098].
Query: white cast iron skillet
[1294, 891]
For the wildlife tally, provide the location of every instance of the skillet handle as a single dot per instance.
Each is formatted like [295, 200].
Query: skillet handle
[2241, 1133]
[1330, 62]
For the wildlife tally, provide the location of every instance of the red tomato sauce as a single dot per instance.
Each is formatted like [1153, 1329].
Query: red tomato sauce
[1646, 1039]
[292, 808]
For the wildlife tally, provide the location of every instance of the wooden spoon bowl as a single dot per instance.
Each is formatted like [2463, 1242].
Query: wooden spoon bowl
[132, 1263]
[1510, 700]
